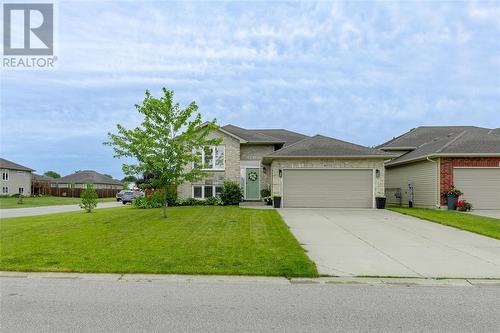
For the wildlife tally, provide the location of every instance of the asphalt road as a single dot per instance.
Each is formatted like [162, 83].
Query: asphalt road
[71, 305]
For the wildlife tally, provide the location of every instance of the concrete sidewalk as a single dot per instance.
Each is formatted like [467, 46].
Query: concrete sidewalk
[243, 279]
[494, 213]
[32, 211]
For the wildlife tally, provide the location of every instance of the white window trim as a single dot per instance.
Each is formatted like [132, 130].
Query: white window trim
[213, 159]
[5, 190]
[203, 190]
[6, 171]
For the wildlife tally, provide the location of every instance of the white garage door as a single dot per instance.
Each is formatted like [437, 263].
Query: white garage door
[481, 186]
[328, 188]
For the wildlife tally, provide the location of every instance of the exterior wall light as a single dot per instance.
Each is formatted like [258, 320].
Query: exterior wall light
[280, 173]
[377, 173]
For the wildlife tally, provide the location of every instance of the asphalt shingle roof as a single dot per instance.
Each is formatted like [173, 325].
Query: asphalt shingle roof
[423, 134]
[323, 146]
[289, 137]
[470, 140]
[6, 164]
[87, 176]
[251, 136]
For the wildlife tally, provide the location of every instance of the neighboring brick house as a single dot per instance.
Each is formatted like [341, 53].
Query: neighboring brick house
[16, 178]
[305, 171]
[433, 158]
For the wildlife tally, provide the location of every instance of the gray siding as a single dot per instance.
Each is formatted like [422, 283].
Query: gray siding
[423, 176]
[16, 180]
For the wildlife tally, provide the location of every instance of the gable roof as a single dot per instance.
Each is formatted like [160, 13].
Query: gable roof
[289, 137]
[251, 136]
[423, 134]
[6, 164]
[87, 176]
[323, 146]
[471, 141]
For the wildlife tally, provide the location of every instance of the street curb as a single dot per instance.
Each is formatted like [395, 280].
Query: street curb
[242, 279]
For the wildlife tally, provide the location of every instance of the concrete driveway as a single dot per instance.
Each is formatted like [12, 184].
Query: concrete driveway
[370, 242]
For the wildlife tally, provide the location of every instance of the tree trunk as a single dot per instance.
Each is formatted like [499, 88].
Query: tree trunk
[165, 202]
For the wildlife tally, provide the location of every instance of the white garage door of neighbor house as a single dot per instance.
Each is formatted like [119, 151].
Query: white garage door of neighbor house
[328, 188]
[481, 186]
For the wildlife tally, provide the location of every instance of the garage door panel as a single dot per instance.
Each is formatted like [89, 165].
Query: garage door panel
[481, 186]
[328, 188]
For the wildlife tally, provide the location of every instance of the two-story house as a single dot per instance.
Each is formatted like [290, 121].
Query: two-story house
[16, 178]
[305, 171]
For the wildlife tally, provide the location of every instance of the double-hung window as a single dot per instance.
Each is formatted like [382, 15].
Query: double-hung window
[5, 190]
[5, 174]
[212, 158]
[206, 191]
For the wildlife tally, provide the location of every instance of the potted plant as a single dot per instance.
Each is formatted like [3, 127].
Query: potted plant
[451, 196]
[265, 194]
[380, 202]
[463, 206]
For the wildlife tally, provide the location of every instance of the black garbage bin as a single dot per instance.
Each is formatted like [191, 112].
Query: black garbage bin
[277, 202]
[380, 202]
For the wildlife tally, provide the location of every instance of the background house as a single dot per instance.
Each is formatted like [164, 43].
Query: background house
[433, 158]
[16, 178]
[72, 185]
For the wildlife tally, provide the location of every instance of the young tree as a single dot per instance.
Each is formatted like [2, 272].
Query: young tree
[129, 179]
[89, 198]
[52, 174]
[165, 142]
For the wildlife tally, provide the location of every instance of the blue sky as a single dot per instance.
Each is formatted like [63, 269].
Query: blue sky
[360, 71]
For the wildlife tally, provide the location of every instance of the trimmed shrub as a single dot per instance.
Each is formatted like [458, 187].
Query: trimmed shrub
[190, 202]
[146, 203]
[214, 201]
[231, 193]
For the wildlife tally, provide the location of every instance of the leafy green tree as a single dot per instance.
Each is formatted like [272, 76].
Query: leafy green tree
[52, 174]
[129, 179]
[89, 198]
[165, 142]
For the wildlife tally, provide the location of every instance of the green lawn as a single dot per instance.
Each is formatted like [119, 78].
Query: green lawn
[11, 202]
[192, 240]
[486, 226]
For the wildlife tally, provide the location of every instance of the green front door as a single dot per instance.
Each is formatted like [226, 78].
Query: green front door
[252, 184]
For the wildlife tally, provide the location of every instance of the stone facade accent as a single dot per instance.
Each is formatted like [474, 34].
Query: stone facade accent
[256, 153]
[232, 166]
[327, 164]
[448, 163]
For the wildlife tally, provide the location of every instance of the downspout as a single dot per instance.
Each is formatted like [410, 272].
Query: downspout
[438, 204]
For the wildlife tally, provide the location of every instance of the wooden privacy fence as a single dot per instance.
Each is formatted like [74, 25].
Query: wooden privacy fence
[75, 192]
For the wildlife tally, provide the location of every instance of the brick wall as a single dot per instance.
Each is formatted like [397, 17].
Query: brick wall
[448, 163]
